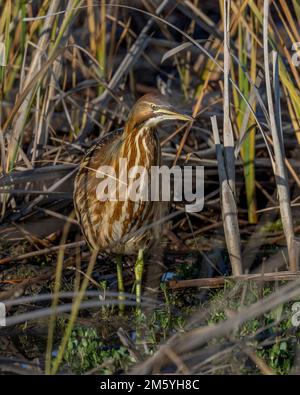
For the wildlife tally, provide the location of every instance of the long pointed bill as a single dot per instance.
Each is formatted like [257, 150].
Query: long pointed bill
[182, 117]
[172, 114]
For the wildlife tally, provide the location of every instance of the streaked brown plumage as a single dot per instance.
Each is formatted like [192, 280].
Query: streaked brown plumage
[113, 225]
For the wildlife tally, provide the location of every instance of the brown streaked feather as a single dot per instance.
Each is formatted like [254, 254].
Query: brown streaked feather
[112, 225]
[81, 184]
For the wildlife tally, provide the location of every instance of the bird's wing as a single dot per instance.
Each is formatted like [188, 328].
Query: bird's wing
[86, 181]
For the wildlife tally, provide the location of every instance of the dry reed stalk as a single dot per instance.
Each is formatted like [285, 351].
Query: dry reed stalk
[21, 116]
[276, 130]
[226, 161]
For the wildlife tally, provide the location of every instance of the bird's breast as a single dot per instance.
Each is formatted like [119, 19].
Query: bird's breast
[118, 223]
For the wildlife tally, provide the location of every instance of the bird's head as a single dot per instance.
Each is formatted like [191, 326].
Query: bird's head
[152, 109]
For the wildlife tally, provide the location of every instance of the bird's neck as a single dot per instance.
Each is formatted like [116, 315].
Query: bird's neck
[139, 146]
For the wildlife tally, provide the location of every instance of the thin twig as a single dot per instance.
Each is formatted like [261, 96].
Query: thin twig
[44, 251]
[219, 282]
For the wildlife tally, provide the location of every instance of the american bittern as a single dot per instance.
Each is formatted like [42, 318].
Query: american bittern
[116, 225]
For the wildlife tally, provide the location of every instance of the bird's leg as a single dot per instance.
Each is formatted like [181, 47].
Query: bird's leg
[120, 283]
[138, 271]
